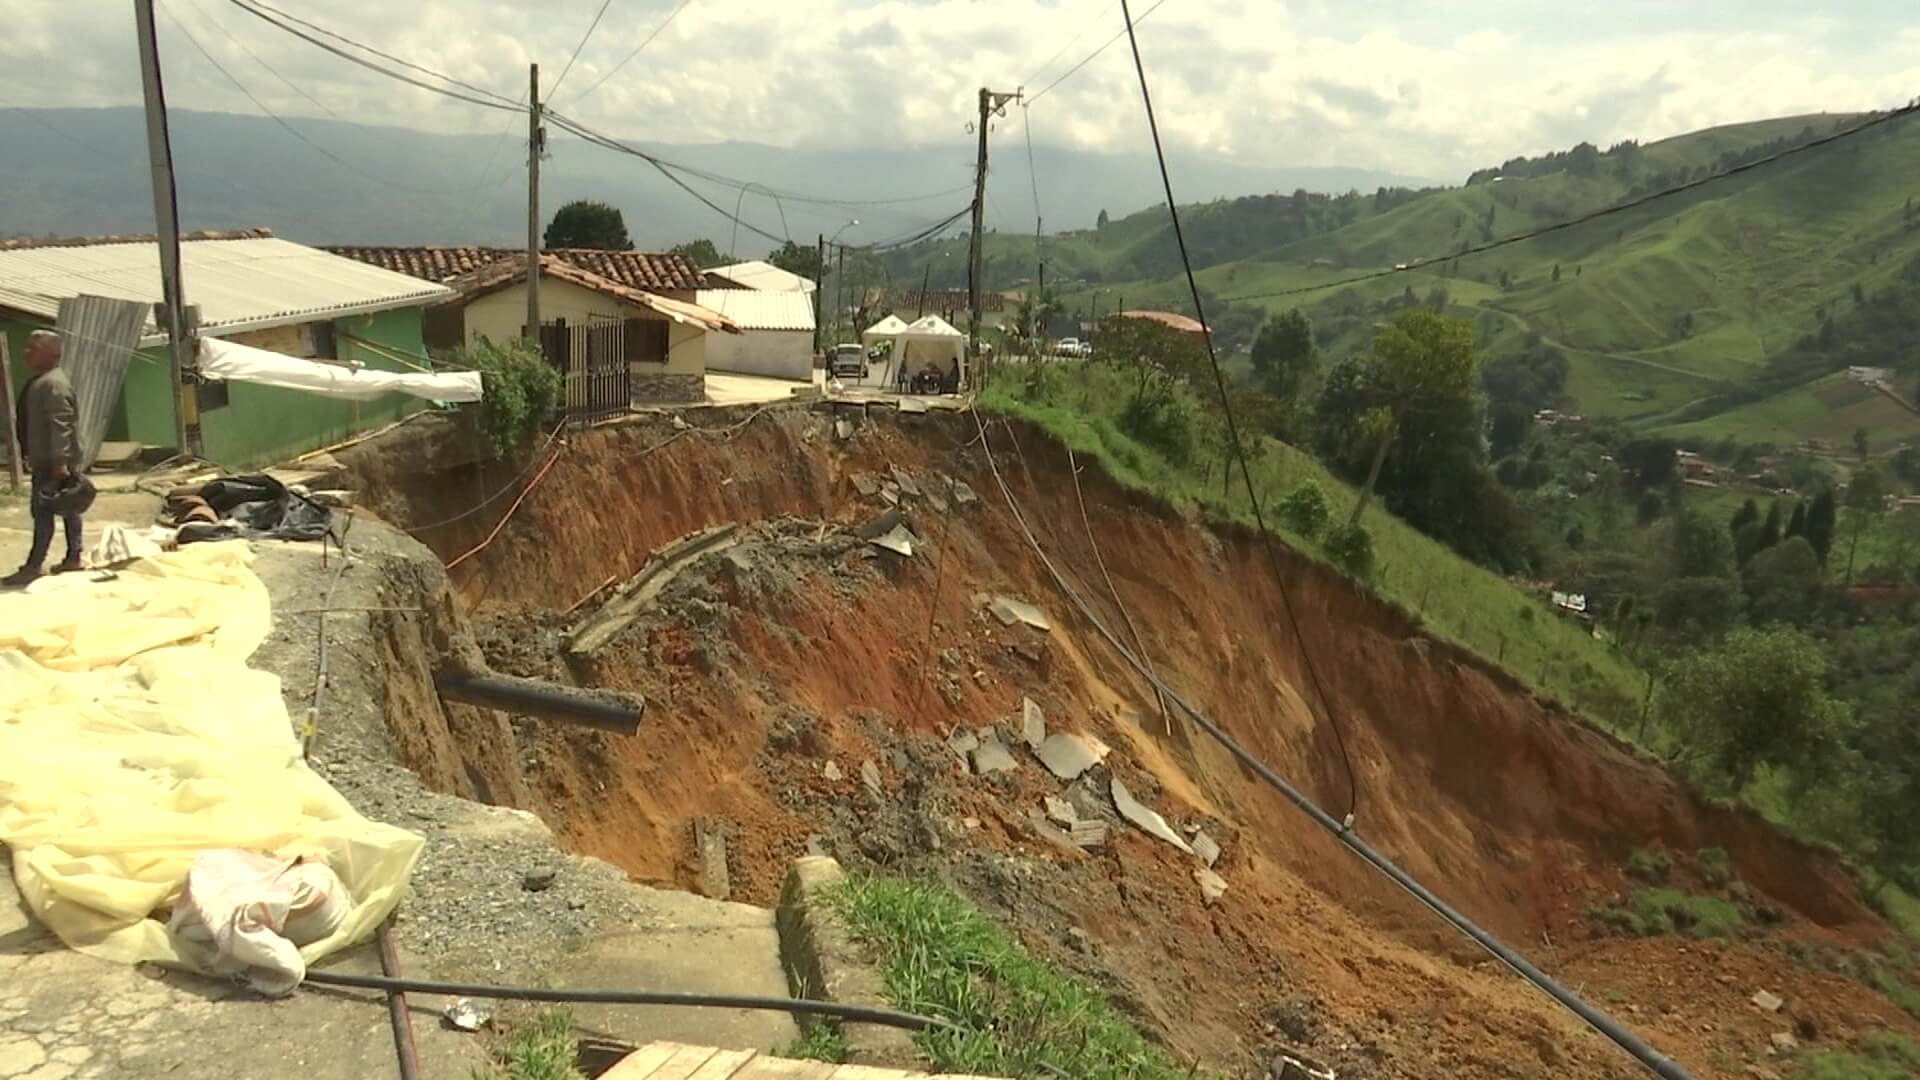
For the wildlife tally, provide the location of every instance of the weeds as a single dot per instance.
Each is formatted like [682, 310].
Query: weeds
[820, 1042]
[543, 1049]
[1011, 1015]
[1715, 868]
[1658, 911]
[1880, 1056]
[1650, 865]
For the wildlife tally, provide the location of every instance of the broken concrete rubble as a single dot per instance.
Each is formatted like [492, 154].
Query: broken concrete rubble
[870, 776]
[1212, 885]
[1061, 811]
[963, 494]
[1033, 724]
[866, 484]
[906, 482]
[832, 771]
[1067, 756]
[1010, 611]
[992, 756]
[1145, 818]
[1205, 847]
[1768, 1001]
[710, 851]
[897, 540]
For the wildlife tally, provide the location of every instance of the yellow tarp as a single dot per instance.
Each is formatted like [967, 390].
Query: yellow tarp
[133, 735]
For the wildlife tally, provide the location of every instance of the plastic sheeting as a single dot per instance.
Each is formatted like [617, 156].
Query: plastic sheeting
[243, 363]
[134, 737]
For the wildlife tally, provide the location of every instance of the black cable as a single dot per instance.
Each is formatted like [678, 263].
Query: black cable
[591, 27]
[1617, 208]
[1089, 58]
[864, 1014]
[1233, 435]
[1609, 1028]
[644, 42]
[499, 101]
[271, 70]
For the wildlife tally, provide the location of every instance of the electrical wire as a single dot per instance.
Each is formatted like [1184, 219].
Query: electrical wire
[1617, 208]
[591, 27]
[1233, 436]
[491, 100]
[644, 42]
[1086, 24]
[508, 486]
[1090, 57]
[865, 1014]
[1608, 1028]
[271, 70]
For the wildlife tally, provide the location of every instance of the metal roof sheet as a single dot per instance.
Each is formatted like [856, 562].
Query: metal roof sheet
[764, 276]
[240, 284]
[756, 310]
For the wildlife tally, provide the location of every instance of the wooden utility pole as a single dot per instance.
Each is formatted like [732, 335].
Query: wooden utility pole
[536, 137]
[166, 219]
[991, 103]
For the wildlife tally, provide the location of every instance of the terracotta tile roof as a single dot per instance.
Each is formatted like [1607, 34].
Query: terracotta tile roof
[1172, 319]
[146, 238]
[635, 269]
[513, 268]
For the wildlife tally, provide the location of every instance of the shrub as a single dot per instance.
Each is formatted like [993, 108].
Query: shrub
[522, 390]
[1650, 865]
[1715, 868]
[1654, 912]
[1305, 509]
[1351, 549]
[1164, 424]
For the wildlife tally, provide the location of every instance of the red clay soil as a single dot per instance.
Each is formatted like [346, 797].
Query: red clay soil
[763, 673]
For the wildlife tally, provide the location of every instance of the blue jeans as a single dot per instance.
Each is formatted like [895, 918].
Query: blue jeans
[43, 529]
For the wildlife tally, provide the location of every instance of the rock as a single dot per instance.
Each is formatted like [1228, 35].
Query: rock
[538, 880]
[900, 760]
[1088, 834]
[1010, 611]
[970, 822]
[1033, 723]
[865, 484]
[843, 429]
[897, 540]
[890, 495]
[465, 1014]
[992, 756]
[1212, 885]
[832, 771]
[1061, 811]
[870, 775]
[1146, 819]
[1768, 1001]
[1077, 939]
[905, 481]
[710, 849]
[964, 743]
[963, 494]
[1204, 846]
[1784, 1042]
[1067, 756]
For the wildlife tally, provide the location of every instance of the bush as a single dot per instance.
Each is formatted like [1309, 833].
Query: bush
[1041, 381]
[1351, 549]
[522, 391]
[1305, 509]
[1650, 865]
[1715, 868]
[1165, 424]
[1655, 912]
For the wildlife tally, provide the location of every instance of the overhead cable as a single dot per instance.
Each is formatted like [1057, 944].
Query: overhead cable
[1871, 122]
[491, 100]
[271, 70]
[644, 42]
[591, 27]
[1089, 58]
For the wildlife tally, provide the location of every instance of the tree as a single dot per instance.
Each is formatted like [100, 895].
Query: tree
[794, 259]
[1648, 509]
[1101, 221]
[1797, 525]
[1283, 357]
[1770, 529]
[1695, 548]
[1820, 522]
[1860, 442]
[1866, 501]
[1782, 583]
[1745, 530]
[701, 253]
[1649, 462]
[1906, 463]
[1556, 272]
[586, 223]
[1511, 424]
[1748, 514]
[1758, 700]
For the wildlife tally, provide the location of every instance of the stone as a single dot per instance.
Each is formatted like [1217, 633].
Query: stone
[18, 1055]
[1088, 834]
[1146, 819]
[964, 743]
[1061, 811]
[992, 756]
[1768, 1001]
[963, 495]
[538, 880]
[898, 540]
[1067, 756]
[870, 776]
[970, 822]
[905, 481]
[1010, 611]
[1212, 885]
[865, 484]
[843, 429]
[710, 848]
[1033, 723]
[647, 388]
[890, 496]
[1204, 846]
[832, 771]
[1784, 1042]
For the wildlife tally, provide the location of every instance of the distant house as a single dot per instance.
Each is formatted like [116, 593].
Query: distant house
[251, 288]
[1872, 376]
[1170, 319]
[756, 274]
[776, 333]
[1693, 466]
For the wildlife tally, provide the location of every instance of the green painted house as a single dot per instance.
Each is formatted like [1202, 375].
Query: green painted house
[251, 288]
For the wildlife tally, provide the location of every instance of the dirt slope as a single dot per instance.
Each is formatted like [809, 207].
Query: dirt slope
[765, 665]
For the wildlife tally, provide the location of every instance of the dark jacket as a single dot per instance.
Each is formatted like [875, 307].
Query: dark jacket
[53, 423]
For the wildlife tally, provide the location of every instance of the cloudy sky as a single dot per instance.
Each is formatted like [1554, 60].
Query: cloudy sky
[1427, 89]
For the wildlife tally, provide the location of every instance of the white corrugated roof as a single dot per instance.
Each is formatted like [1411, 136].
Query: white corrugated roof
[246, 284]
[756, 310]
[763, 276]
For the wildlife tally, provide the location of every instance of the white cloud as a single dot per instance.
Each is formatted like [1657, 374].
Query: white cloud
[1256, 80]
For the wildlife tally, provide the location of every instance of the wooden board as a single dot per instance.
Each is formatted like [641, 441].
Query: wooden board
[674, 1061]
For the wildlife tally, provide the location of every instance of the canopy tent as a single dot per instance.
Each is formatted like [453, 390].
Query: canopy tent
[886, 329]
[929, 344]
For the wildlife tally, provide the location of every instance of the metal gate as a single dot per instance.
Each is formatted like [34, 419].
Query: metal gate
[593, 357]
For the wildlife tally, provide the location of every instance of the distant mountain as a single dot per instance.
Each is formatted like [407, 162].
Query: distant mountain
[84, 171]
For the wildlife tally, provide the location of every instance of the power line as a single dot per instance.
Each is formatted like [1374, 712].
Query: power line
[1085, 25]
[644, 42]
[1089, 58]
[490, 101]
[1617, 208]
[271, 70]
[591, 27]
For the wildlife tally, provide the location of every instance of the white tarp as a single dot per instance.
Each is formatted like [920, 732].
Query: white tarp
[243, 363]
[885, 330]
[929, 344]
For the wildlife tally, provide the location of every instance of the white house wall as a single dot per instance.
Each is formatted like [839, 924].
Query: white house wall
[778, 354]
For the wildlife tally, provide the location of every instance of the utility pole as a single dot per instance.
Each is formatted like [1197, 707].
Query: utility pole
[840, 292]
[166, 219]
[819, 279]
[536, 138]
[991, 103]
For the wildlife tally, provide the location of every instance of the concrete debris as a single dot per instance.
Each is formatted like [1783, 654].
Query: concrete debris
[1212, 885]
[970, 822]
[1145, 818]
[992, 756]
[465, 1014]
[937, 501]
[1289, 1067]
[897, 540]
[710, 850]
[1061, 811]
[680, 423]
[538, 880]
[1033, 723]
[911, 406]
[963, 495]
[1784, 1042]
[1205, 847]
[1768, 1001]
[640, 591]
[906, 482]
[832, 771]
[964, 743]
[1010, 611]
[880, 524]
[870, 776]
[1067, 756]
[866, 484]
[1088, 834]
[843, 429]
[890, 494]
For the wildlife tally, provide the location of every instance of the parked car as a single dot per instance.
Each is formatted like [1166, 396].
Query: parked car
[847, 362]
[1069, 347]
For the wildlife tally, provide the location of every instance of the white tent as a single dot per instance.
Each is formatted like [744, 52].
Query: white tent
[929, 344]
[886, 329]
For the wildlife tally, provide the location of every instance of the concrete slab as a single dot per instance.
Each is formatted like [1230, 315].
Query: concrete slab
[1010, 611]
[1145, 818]
[1033, 723]
[992, 756]
[1067, 756]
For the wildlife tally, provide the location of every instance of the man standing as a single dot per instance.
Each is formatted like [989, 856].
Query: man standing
[49, 427]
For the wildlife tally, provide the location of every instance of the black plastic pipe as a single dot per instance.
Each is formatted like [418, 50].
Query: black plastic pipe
[533, 699]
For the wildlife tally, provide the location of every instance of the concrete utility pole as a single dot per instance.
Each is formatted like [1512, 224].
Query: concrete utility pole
[819, 279]
[166, 219]
[536, 139]
[991, 103]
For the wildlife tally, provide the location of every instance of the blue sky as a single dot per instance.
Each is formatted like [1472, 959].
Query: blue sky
[1430, 89]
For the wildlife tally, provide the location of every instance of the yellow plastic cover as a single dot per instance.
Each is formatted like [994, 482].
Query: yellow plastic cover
[133, 736]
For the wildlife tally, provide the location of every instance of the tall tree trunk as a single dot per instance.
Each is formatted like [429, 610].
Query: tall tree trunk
[1373, 476]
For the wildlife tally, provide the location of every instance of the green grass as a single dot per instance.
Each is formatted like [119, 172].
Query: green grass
[1659, 911]
[1882, 1055]
[1650, 865]
[820, 1042]
[1011, 1014]
[1455, 600]
[542, 1049]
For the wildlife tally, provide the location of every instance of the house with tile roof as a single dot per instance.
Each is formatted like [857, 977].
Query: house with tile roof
[663, 273]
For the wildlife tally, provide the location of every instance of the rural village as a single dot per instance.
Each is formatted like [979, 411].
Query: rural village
[1283, 637]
